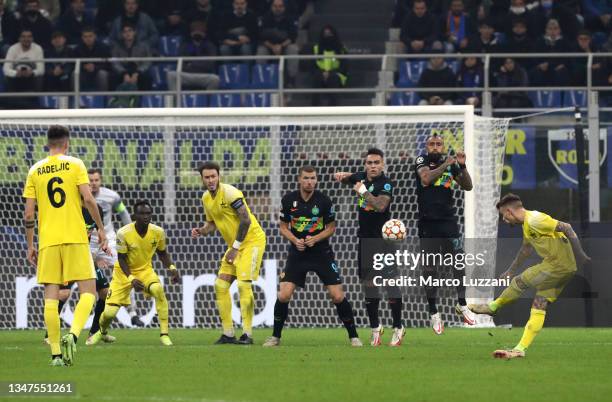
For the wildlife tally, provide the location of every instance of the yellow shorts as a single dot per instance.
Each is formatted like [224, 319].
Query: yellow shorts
[64, 263]
[248, 263]
[547, 279]
[120, 287]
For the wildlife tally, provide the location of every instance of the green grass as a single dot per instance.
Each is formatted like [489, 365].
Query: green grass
[318, 365]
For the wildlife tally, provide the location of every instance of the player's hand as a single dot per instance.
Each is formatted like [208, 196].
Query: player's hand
[174, 276]
[507, 274]
[231, 255]
[582, 259]
[461, 157]
[357, 186]
[32, 256]
[195, 233]
[103, 263]
[310, 241]
[339, 176]
[300, 244]
[103, 242]
[450, 160]
[137, 285]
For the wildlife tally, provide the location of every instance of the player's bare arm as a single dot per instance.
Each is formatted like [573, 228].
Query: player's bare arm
[243, 228]
[136, 284]
[30, 223]
[329, 230]
[208, 228]
[463, 178]
[92, 208]
[568, 231]
[524, 252]
[165, 258]
[342, 177]
[429, 176]
[285, 231]
[379, 202]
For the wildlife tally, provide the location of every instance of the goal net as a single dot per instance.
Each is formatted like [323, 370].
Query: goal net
[153, 154]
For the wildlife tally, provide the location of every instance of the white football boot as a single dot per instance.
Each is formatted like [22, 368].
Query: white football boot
[376, 339]
[398, 335]
[466, 315]
[436, 324]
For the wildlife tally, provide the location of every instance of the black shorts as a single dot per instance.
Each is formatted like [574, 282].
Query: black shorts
[101, 281]
[440, 237]
[322, 263]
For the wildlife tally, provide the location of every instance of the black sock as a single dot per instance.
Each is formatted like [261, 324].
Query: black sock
[345, 312]
[281, 311]
[396, 311]
[372, 309]
[95, 325]
[431, 293]
[460, 274]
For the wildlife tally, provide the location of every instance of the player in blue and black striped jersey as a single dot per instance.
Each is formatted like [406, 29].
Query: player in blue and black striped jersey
[307, 220]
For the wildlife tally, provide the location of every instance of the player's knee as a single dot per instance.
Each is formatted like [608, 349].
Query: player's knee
[336, 296]
[64, 294]
[244, 286]
[221, 285]
[540, 303]
[157, 290]
[284, 295]
[518, 284]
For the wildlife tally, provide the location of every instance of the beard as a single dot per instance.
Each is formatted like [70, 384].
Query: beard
[436, 157]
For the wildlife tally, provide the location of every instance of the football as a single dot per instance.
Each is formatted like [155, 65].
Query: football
[394, 229]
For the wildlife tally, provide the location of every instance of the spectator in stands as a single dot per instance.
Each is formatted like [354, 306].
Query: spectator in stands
[583, 44]
[485, 41]
[174, 24]
[458, 27]
[519, 42]
[35, 22]
[144, 25]
[58, 73]
[329, 71]
[24, 69]
[9, 28]
[471, 75]
[94, 75]
[554, 9]
[74, 20]
[237, 31]
[420, 29]
[131, 75]
[277, 35]
[108, 10]
[437, 74]
[199, 10]
[598, 15]
[517, 10]
[551, 71]
[197, 74]
[511, 74]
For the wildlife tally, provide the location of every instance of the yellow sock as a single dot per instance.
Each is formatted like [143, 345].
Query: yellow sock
[509, 295]
[161, 305]
[247, 306]
[81, 312]
[52, 322]
[109, 313]
[224, 304]
[533, 327]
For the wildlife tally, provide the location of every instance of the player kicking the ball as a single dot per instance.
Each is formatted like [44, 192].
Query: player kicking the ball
[136, 245]
[557, 244]
[226, 210]
[307, 220]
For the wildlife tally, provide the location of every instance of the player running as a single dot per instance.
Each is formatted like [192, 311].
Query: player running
[375, 191]
[438, 229]
[56, 184]
[557, 244]
[136, 245]
[226, 210]
[111, 203]
[307, 220]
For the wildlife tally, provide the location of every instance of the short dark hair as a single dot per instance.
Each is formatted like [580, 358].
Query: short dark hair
[509, 198]
[307, 169]
[141, 203]
[88, 28]
[209, 165]
[584, 32]
[128, 24]
[56, 135]
[94, 171]
[375, 151]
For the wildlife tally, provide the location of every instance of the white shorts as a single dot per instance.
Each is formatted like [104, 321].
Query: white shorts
[98, 254]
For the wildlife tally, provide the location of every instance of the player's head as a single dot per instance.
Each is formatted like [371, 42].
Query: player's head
[95, 179]
[142, 212]
[510, 208]
[307, 178]
[210, 175]
[435, 145]
[375, 162]
[57, 138]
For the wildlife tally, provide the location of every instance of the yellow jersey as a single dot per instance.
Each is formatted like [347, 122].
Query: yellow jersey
[554, 247]
[140, 250]
[222, 211]
[54, 183]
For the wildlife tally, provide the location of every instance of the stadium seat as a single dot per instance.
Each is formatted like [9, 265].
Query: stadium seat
[410, 72]
[575, 98]
[152, 101]
[49, 102]
[404, 99]
[194, 100]
[454, 65]
[264, 76]
[545, 99]
[159, 74]
[225, 100]
[234, 76]
[257, 100]
[169, 45]
[92, 101]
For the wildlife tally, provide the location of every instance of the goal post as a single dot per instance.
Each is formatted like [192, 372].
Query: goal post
[154, 153]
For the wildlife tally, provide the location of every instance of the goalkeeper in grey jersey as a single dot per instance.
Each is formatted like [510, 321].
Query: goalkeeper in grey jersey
[111, 203]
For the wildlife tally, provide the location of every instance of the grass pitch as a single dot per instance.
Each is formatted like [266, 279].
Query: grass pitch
[319, 365]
